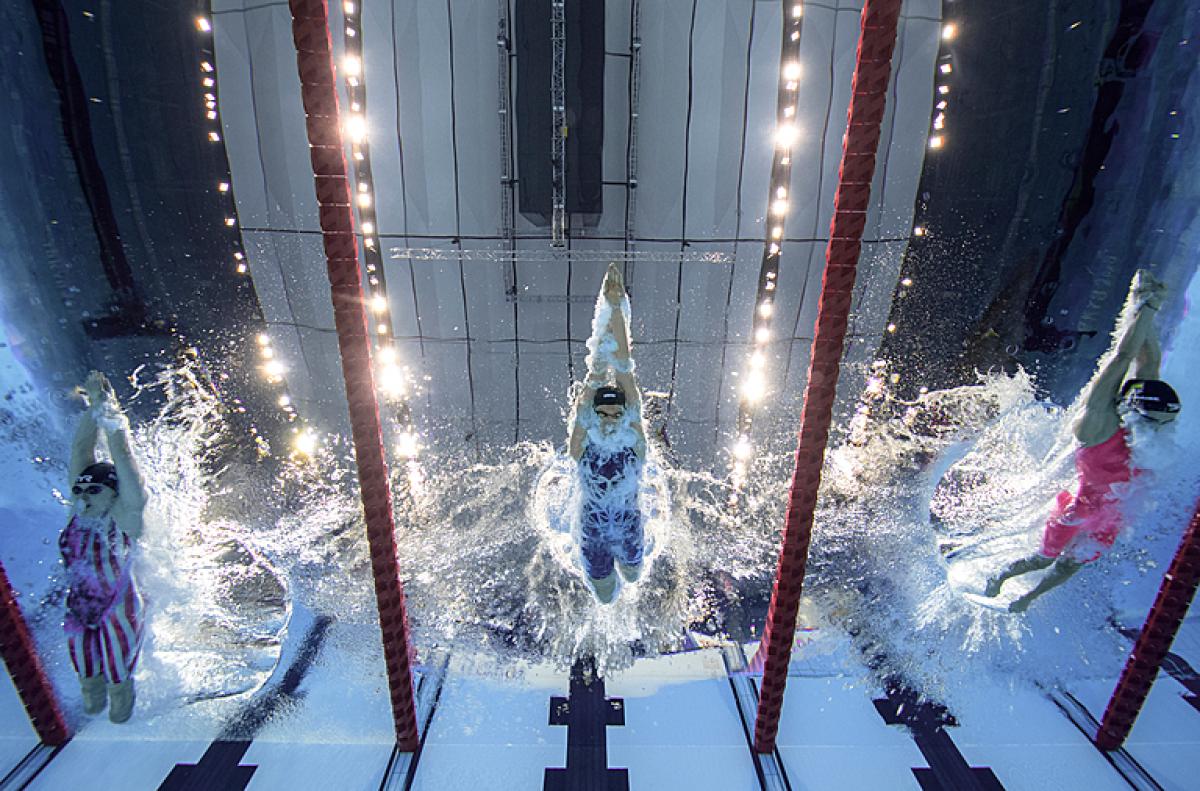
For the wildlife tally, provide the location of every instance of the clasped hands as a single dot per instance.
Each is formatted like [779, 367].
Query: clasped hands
[102, 402]
[1148, 291]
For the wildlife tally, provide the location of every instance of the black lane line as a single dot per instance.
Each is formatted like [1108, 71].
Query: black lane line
[586, 713]
[683, 242]
[768, 768]
[219, 766]
[25, 772]
[1177, 668]
[64, 73]
[457, 240]
[1120, 760]
[926, 722]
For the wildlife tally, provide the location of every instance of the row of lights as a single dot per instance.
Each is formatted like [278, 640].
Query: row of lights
[753, 377]
[272, 367]
[392, 378]
[937, 139]
[937, 135]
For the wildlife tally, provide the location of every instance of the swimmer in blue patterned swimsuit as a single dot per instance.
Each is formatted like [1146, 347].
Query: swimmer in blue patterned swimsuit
[608, 440]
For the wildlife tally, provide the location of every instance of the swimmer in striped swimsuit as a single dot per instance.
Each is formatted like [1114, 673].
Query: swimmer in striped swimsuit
[608, 441]
[1083, 525]
[104, 623]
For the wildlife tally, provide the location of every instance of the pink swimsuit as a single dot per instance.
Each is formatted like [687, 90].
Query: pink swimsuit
[104, 609]
[1086, 524]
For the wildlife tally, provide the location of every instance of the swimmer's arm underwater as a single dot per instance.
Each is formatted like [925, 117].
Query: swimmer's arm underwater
[623, 367]
[578, 434]
[83, 447]
[131, 497]
[1137, 344]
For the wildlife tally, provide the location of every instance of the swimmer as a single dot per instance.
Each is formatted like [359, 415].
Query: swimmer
[1082, 526]
[608, 442]
[104, 623]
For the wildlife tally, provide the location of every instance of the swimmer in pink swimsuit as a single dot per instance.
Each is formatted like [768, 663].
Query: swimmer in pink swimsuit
[104, 623]
[1081, 527]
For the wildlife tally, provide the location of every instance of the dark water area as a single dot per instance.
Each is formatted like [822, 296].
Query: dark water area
[1070, 124]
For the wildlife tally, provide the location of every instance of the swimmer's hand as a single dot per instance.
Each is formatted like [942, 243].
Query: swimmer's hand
[1147, 290]
[97, 389]
[102, 403]
[614, 284]
[111, 419]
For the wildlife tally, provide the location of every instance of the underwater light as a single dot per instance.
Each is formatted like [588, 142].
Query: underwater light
[305, 442]
[391, 381]
[356, 128]
[408, 445]
[786, 135]
[754, 387]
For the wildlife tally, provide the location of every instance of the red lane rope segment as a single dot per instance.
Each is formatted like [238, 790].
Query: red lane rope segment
[872, 71]
[318, 89]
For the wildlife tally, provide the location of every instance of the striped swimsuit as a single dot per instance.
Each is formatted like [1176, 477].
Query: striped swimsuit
[104, 609]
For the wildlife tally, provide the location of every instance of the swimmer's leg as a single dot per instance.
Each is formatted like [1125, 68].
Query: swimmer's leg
[1062, 571]
[605, 588]
[629, 562]
[598, 564]
[87, 656]
[629, 573]
[1014, 569]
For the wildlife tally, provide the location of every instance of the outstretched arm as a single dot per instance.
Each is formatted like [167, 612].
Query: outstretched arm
[623, 367]
[614, 292]
[132, 485]
[1137, 343]
[108, 415]
[1149, 358]
[83, 447]
[577, 432]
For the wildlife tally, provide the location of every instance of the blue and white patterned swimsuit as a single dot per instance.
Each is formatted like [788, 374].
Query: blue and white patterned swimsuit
[610, 521]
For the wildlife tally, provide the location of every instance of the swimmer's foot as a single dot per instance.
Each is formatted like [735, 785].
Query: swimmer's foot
[1020, 605]
[95, 695]
[605, 589]
[993, 588]
[122, 697]
[629, 573]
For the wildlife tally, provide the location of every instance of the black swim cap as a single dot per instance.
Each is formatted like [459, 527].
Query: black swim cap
[609, 396]
[1150, 395]
[102, 472]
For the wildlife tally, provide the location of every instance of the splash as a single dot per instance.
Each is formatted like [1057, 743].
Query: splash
[492, 562]
[218, 608]
[927, 498]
